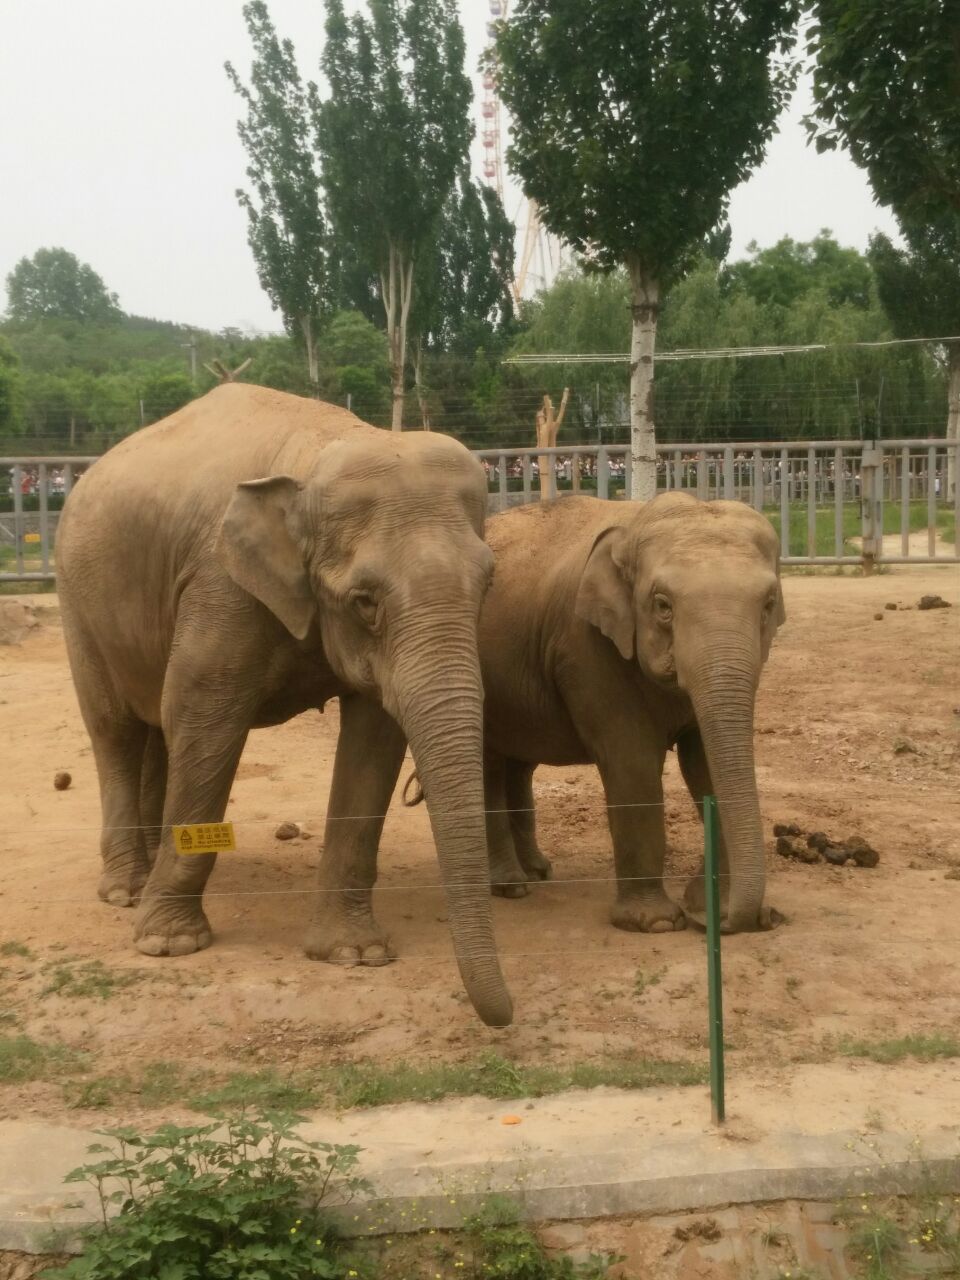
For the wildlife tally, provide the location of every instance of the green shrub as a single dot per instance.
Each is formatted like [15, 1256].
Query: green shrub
[244, 1198]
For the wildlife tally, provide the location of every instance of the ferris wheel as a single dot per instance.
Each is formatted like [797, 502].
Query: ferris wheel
[540, 255]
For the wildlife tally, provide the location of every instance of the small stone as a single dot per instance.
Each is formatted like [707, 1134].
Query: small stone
[891, 605]
[287, 831]
[933, 602]
[62, 780]
[878, 617]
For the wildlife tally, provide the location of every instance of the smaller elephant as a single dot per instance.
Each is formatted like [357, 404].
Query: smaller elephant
[614, 631]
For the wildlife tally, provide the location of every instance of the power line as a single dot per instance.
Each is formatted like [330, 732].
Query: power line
[717, 353]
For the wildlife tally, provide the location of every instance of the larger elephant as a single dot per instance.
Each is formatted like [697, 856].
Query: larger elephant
[246, 559]
[613, 632]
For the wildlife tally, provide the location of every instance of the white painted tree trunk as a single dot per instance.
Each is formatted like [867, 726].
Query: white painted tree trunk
[310, 345]
[397, 289]
[645, 308]
[953, 416]
[421, 389]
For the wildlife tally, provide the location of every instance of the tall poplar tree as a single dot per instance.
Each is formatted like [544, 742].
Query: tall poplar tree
[632, 122]
[392, 135]
[286, 230]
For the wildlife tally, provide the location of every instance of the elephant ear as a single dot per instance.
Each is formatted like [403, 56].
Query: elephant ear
[257, 547]
[605, 597]
[780, 612]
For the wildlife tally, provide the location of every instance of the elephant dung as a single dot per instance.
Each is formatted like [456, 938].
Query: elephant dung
[287, 831]
[788, 848]
[933, 602]
[786, 829]
[62, 780]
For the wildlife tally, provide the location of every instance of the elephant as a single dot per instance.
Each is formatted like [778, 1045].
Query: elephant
[612, 632]
[242, 561]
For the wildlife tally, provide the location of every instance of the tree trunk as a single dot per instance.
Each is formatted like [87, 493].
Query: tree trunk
[310, 346]
[418, 383]
[645, 309]
[397, 289]
[953, 417]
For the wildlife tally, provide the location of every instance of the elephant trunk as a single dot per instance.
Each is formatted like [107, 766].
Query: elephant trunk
[722, 678]
[436, 695]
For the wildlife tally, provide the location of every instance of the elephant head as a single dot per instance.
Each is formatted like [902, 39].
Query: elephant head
[377, 553]
[691, 590]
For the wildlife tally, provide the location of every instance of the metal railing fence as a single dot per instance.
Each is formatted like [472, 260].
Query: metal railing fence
[835, 502]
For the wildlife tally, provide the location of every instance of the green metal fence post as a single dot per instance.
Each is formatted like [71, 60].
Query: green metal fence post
[711, 863]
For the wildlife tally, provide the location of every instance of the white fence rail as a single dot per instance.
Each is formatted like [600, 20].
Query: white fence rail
[834, 501]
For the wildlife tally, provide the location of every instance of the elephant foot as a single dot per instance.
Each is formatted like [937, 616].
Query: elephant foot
[168, 927]
[536, 866]
[648, 914]
[695, 907]
[508, 880]
[348, 943]
[121, 889]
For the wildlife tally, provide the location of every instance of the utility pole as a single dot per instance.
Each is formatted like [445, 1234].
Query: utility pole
[191, 346]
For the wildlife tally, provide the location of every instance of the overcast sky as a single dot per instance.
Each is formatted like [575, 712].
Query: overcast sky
[118, 141]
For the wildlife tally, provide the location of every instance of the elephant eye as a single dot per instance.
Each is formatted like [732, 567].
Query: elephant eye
[662, 607]
[365, 605]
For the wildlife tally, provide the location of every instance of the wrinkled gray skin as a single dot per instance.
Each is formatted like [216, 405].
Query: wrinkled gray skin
[241, 562]
[613, 632]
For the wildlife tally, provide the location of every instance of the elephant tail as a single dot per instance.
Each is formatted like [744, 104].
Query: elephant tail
[411, 798]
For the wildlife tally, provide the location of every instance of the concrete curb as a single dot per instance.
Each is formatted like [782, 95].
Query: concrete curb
[584, 1154]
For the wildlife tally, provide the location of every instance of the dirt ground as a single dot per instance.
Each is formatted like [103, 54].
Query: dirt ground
[858, 731]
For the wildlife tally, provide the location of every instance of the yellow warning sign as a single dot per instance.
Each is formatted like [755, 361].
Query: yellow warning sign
[31, 537]
[205, 837]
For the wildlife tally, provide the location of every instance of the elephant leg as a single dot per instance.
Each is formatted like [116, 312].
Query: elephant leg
[634, 791]
[523, 820]
[369, 756]
[118, 746]
[207, 708]
[507, 877]
[118, 737]
[153, 788]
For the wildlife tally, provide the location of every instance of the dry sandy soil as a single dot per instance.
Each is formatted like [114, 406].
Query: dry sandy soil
[868, 953]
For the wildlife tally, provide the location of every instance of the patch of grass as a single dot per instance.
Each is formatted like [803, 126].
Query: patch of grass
[14, 948]
[824, 536]
[23, 1059]
[642, 982]
[491, 1076]
[267, 1089]
[95, 1094]
[159, 1084]
[367, 1084]
[87, 980]
[924, 1047]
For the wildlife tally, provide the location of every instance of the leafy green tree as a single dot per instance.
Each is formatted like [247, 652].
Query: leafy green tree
[286, 229]
[632, 121]
[55, 283]
[10, 388]
[356, 362]
[919, 288]
[392, 134]
[462, 299]
[886, 86]
[785, 271]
